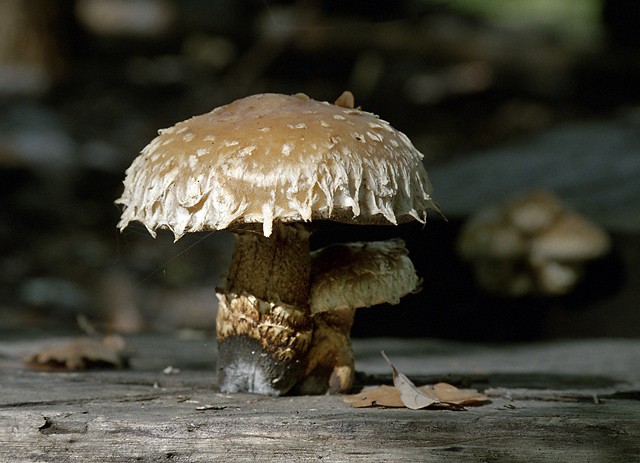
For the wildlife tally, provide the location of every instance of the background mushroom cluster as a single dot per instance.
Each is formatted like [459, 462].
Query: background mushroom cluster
[530, 245]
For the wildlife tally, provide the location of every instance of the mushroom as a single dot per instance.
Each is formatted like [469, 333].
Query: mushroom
[345, 277]
[531, 244]
[265, 167]
[496, 250]
[558, 253]
[533, 212]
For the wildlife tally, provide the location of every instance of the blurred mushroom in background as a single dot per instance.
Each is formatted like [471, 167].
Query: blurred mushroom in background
[532, 244]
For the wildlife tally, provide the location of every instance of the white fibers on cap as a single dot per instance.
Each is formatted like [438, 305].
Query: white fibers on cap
[275, 158]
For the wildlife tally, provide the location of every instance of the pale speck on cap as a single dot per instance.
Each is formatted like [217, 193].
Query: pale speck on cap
[385, 125]
[286, 149]
[374, 137]
[193, 160]
[247, 150]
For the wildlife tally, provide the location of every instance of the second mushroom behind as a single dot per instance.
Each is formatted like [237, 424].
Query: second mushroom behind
[265, 167]
[345, 277]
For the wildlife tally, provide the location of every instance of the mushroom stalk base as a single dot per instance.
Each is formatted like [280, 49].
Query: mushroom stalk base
[263, 323]
[329, 364]
[260, 344]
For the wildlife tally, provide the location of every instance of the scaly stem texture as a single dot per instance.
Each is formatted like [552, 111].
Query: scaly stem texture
[274, 269]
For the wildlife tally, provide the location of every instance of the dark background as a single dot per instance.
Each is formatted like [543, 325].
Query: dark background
[85, 85]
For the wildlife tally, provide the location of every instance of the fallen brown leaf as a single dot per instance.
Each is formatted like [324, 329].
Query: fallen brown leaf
[405, 394]
[410, 395]
[82, 353]
[383, 396]
[451, 394]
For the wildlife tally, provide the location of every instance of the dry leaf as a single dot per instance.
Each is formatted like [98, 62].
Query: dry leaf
[406, 394]
[82, 353]
[452, 395]
[383, 396]
[410, 395]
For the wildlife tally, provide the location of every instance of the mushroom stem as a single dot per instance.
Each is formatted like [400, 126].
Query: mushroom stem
[275, 268]
[263, 323]
[329, 364]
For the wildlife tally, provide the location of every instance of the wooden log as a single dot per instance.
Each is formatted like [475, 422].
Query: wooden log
[547, 403]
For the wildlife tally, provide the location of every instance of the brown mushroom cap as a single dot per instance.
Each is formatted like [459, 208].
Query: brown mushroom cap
[362, 274]
[276, 158]
[533, 212]
[490, 236]
[571, 238]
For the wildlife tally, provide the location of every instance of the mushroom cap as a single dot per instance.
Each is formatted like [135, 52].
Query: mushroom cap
[533, 212]
[361, 274]
[490, 236]
[570, 238]
[271, 157]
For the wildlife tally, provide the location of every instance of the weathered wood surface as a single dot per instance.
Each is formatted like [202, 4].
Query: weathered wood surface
[562, 401]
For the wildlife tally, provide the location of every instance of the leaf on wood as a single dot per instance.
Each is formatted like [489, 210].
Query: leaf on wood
[383, 396]
[405, 394]
[410, 395]
[83, 353]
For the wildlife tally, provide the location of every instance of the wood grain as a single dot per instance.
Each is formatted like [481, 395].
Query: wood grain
[589, 413]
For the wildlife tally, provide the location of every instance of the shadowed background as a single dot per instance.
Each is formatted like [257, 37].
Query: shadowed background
[501, 97]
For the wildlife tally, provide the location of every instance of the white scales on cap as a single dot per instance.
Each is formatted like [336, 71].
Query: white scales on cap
[276, 158]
